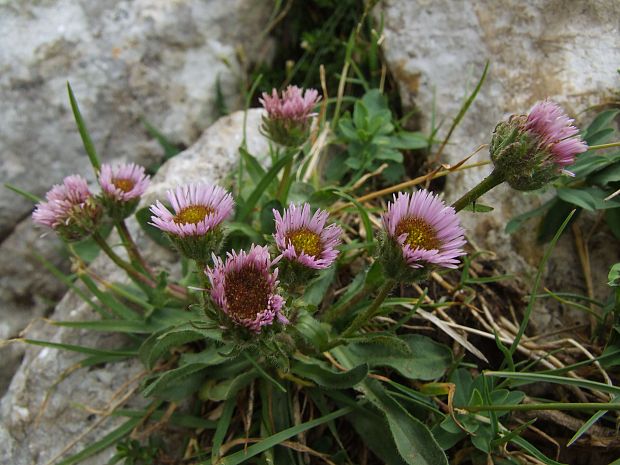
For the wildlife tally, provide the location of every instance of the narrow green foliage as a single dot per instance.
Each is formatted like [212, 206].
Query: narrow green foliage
[84, 134]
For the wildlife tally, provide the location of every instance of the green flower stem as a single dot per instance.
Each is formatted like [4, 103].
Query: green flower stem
[542, 406]
[130, 270]
[371, 311]
[118, 261]
[132, 248]
[604, 146]
[488, 183]
[335, 312]
[282, 192]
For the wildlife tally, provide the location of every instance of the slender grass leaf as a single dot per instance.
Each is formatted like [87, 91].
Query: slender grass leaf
[108, 440]
[544, 378]
[82, 349]
[255, 449]
[84, 134]
[328, 378]
[222, 428]
[27, 195]
[178, 419]
[528, 447]
[264, 183]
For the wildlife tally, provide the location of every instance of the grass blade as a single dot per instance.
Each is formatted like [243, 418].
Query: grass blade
[243, 455]
[84, 134]
[82, 349]
[23, 193]
[542, 378]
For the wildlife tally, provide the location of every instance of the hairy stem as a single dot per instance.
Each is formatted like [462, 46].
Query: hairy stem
[492, 180]
[371, 311]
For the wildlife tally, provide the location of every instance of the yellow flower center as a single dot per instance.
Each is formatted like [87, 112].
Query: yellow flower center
[193, 214]
[420, 234]
[123, 184]
[305, 241]
[247, 293]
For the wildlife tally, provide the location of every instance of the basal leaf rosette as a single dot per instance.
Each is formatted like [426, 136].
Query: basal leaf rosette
[70, 209]
[194, 226]
[121, 188]
[305, 243]
[289, 115]
[529, 151]
[421, 233]
[244, 288]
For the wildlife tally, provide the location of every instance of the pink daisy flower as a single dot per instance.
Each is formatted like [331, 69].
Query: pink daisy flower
[123, 183]
[244, 288]
[428, 231]
[68, 209]
[303, 238]
[198, 210]
[556, 132]
[289, 115]
[294, 104]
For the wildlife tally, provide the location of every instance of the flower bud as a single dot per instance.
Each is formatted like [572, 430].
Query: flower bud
[70, 210]
[121, 188]
[529, 151]
[289, 117]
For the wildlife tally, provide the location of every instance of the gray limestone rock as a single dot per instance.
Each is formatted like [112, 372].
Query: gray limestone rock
[76, 401]
[126, 60]
[563, 49]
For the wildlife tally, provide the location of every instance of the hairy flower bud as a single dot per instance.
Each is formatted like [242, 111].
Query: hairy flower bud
[69, 209]
[529, 151]
[121, 188]
[289, 116]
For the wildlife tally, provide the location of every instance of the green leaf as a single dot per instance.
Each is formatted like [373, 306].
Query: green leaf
[414, 441]
[260, 188]
[579, 197]
[375, 433]
[253, 167]
[389, 155]
[478, 208]
[314, 293]
[602, 121]
[607, 175]
[83, 349]
[614, 275]
[313, 330]
[543, 378]
[108, 440]
[589, 423]
[222, 428]
[322, 375]
[528, 447]
[556, 214]
[408, 140]
[143, 215]
[155, 384]
[170, 150]
[267, 221]
[612, 218]
[272, 441]
[84, 134]
[228, 388]
[27, 195]
[159, 343]
[428, 359]
[518, 220]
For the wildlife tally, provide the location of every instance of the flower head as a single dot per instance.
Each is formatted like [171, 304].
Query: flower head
[303, 238]
[199, 210]
[421, 231]
[69, 209]
[244, 288]
[122, 187]
[289, 115]
[123, 182]
[556, 132]
[532, 150]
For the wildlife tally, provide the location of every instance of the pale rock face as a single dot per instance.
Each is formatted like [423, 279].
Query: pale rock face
[126, 60]
[26, 442]
[563, 49]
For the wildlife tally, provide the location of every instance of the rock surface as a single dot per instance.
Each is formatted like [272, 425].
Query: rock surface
[69, 411]
[125, 60]
[563, 49]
